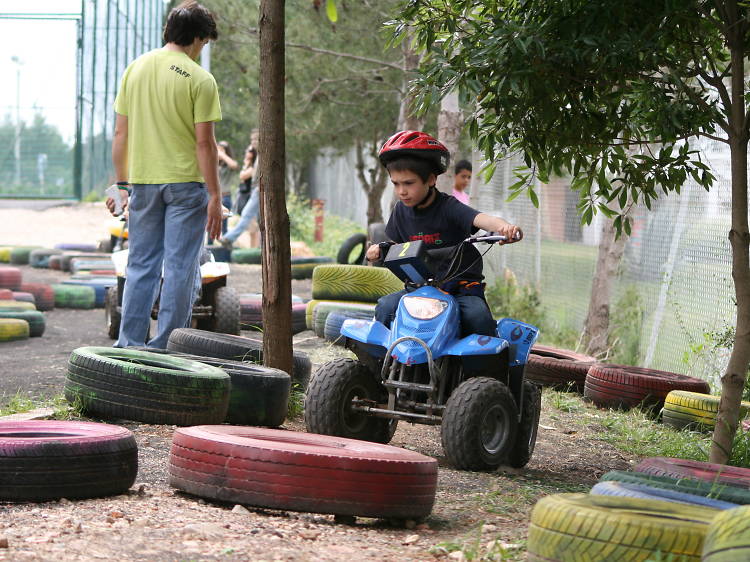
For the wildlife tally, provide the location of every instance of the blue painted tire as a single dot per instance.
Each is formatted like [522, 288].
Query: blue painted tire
[650, 493]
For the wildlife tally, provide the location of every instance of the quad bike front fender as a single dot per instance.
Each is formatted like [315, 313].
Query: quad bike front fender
[369, 332]
[476, 345]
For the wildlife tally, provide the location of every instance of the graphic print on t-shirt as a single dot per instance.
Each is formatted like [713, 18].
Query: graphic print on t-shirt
[433, 239]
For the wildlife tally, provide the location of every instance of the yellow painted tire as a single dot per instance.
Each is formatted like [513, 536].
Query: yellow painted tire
[5, 254]
[17, 305]
[583, 527]
[728, 537]
[353, 283]
[13, 329]
[683, 409]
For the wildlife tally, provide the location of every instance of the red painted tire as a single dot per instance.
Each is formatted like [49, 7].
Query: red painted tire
[682, 468]
[559, 368]
[302, 472]
[624, 386]
[55, 262]
[10, 278]
[49, 459]
[44, 296]
[6, 295]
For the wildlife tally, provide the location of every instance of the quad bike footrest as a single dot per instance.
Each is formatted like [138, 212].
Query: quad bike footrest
[388, 383]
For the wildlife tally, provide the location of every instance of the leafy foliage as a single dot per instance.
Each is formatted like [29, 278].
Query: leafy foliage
[608, 92]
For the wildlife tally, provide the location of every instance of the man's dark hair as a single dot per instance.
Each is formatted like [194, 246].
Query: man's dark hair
[462, 165]
[189, 21]
[423, 168]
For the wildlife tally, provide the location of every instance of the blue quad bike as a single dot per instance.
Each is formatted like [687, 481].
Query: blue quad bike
[422, 371]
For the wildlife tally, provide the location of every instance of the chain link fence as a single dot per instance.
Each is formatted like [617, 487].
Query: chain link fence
[674, 280]
[61, 77]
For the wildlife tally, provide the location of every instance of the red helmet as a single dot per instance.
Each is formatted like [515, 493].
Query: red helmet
[415, 144]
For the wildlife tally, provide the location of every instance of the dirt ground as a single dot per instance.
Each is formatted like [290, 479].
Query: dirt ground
[155, 522]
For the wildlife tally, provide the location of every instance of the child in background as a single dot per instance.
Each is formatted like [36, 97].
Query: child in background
[461, 181]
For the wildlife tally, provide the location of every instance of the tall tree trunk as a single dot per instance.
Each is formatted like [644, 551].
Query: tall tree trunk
[733, 380]
[274, 223]
[373, 186]
[407, 119]
[449, 125]
[596, 326]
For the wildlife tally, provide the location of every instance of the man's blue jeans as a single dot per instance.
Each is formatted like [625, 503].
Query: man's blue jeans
[166, 228]
[249, 212]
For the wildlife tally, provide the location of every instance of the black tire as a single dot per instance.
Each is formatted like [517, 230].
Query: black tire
[226, 318]
[328, 403]
[238, 348]
[345, 251]
[146, 387]
[479, 424]
[521, 453]
[258, 396]
[111, 315]
[49, 459]
[34, 318]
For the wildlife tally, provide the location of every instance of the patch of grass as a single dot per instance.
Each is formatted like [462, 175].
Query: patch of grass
[519, 494]
[296, 402]
[481, 548]
[564, 401]
[20, 403]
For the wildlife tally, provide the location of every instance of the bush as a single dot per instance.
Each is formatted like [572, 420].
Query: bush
[302, 227]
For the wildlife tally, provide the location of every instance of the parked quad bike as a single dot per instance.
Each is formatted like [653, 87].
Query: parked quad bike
[216, 310]
[421, 371]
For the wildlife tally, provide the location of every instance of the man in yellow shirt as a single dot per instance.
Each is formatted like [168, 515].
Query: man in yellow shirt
[165, 157]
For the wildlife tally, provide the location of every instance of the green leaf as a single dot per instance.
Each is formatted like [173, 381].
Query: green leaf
[533, 196]
[331, 11]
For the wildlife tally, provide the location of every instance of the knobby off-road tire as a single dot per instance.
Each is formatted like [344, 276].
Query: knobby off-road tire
[238, 348]
[629, 490]
[48, 460]
[329, 397]
[520, 454]
[479, 425]
[302, 472]
[147, 387]
[258, 396]
[693, 410]
[728, 537]
[558, 368]
[12, 329]
[732, 494]
[581, 527]
[226, 318]
[625, 386]
[353, 283]
[354, 242]
[697, 470]
[34, 318]
[112, 316]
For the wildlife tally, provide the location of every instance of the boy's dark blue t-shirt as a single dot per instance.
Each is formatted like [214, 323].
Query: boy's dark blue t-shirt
[446, 222]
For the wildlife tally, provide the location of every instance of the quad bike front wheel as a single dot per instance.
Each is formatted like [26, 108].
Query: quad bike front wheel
[480, 424]
[521, 453]
[328, 403]
[111, 314]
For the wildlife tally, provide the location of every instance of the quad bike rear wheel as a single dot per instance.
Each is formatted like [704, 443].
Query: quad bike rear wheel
[328, 403]
[480, 424]
[521, 453]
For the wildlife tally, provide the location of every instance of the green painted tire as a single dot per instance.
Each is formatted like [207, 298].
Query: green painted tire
[74, 296]
[353, 283]
[147, 387]
[246, 255]
[692, 410]
[34, 318]
[584, 527]
[12, 329]
[728, 537]
[19, 255]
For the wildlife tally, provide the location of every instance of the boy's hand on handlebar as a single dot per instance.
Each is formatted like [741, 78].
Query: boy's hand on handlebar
[373, 253]
[511, 232]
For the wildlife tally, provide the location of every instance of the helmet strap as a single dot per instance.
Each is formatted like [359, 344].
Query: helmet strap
[426, 197]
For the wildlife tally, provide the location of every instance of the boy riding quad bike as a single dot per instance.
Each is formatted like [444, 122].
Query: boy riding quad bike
[433, 354]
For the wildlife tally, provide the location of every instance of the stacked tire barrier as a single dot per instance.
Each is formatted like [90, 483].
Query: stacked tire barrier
[694, 410]
[558, 368]
[251, 312]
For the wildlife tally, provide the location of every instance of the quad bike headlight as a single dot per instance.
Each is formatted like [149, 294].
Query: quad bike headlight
[423, 308]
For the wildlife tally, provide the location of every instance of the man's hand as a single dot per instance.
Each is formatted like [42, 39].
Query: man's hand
[213, 227]
[373, 253]
[110, 203]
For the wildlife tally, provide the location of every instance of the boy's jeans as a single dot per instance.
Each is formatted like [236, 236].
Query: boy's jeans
[166, 227]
